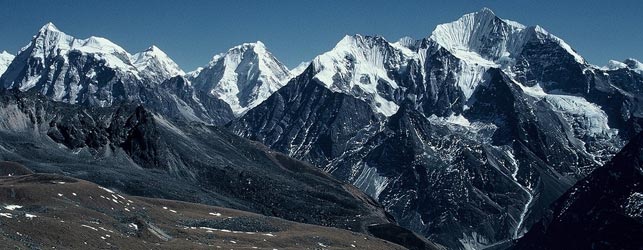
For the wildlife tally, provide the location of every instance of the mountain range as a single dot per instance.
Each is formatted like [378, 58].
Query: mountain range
[482, 132]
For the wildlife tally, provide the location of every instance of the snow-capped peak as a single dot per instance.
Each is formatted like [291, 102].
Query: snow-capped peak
[629, 63]
[358, 64]
[407, 42]
[49, 27]
[484, 38]
[156, 65]
[5, 60]
[77, 62]
[51, 42]
[244, 76]
[480, 35]
[634, 65]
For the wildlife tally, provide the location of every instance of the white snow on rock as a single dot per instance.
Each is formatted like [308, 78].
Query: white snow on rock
[156, 64]
[299, 69]
[50, 43]
[5, 60]
[358, 64]
[12, 207]
[487, 39]
[630, 63]
[243, 77]
[589, 118]
[371, 182]
[482, 41]
[480, 36]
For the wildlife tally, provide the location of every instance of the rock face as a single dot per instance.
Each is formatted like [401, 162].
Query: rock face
[465, 136]
[603, 211]
[243, 77]
[95, 72]
[142, 152]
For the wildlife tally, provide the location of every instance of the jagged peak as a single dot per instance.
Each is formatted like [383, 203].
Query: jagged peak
[152, 51]
[484, 13]
[153, 48]
[154, 61]
[49, 27]
[484, 36]
[258, 48]
[632, 63]
[408, 42]
[361, 41]
[468, 31]
[5, 53]
[243, 76]
[544, 34]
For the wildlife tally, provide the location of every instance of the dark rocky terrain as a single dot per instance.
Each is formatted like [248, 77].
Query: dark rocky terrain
[459, 142]
[602, 211]
[138, 152]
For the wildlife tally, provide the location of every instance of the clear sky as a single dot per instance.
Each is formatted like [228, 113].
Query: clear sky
[191, 32]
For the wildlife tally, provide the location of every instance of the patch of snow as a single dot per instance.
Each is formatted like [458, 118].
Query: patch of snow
[6, 215]
[589, 118]
[459, 120]
[30, 216]
[90, 227]
[530, 198]
[12, 207]
[109, 191]
[474, 241]
[370, 182]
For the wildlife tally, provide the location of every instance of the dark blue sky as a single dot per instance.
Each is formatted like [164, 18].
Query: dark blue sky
[191, 32]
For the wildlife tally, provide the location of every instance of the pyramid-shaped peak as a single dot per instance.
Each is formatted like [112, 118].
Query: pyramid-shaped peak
[153, 48]
[49, 27]
[486, 11]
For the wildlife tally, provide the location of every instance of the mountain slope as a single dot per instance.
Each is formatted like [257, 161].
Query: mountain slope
[602, 211]
[37, 207]
[243, 76]
[141, 152]
[514, 109]
[5, 60]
